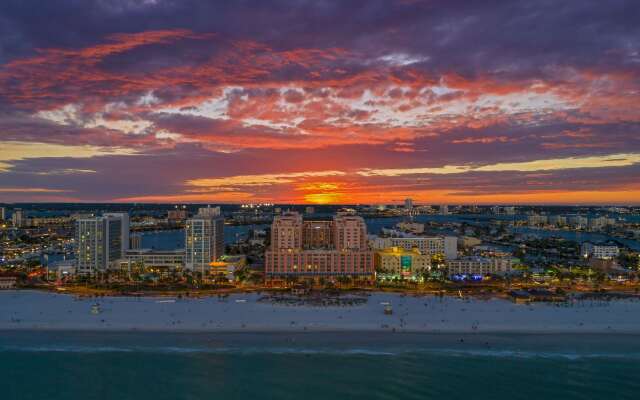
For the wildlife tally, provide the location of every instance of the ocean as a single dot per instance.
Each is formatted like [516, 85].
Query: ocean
[321, 365]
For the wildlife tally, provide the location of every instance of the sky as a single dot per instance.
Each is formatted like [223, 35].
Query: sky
[342, 102]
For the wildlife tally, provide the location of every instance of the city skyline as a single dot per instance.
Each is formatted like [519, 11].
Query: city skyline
[320, 102]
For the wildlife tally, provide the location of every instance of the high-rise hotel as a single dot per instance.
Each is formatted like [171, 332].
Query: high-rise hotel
[100, 241]
[204, 240]
[318, 248]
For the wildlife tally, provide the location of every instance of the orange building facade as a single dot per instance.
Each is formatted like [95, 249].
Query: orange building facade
[319, 248]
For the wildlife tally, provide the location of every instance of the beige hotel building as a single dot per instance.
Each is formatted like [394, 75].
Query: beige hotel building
[333, 248]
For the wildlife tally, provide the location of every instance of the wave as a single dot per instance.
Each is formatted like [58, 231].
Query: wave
[186, 350]
[334, 352]
[517, 354]
[65, 349]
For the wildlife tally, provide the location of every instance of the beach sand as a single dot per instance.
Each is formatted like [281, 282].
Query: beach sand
[34, 310]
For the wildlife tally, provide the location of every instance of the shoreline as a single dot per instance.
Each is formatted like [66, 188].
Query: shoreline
[283, 332]
[568, 347]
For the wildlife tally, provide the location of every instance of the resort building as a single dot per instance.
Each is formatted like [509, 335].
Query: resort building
[62, 269]
[135, 242]
[599, 251]
[408, 205]
[227, 265]
[8, 282]
[17, 219]
[397, 262]
[479, 266]
[537, 220]
[44, 221]
[98, 243]
[598, 223]
[468, 241]
[176, 215]
[577, 221]
[151, 260]
[557, 220]
[204, 239]
[446, 246]
[507, 210]
[209, 212]
[411, 227]
[124, 227]
[318, 248]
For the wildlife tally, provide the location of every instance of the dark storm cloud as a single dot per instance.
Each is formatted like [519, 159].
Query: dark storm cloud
[469, 36]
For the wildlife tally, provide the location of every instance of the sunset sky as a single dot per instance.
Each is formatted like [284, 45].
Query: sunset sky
[369, 101]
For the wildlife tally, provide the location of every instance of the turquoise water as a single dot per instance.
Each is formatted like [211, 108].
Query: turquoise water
[99, 365]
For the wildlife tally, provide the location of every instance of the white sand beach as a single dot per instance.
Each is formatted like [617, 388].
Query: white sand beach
[242, 312]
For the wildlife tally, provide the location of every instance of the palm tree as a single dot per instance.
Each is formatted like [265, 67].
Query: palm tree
[255, 278]
[344, 279]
